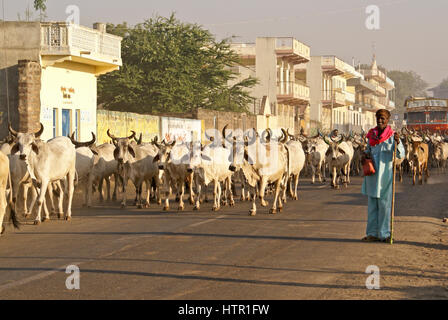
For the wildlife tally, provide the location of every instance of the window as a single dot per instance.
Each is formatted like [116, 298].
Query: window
[66, 122]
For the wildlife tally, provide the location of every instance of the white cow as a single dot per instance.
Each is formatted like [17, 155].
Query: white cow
[47, 162]
[296, 163]
[211, 164]
[338, 157]
[6, 197]
[263, 162]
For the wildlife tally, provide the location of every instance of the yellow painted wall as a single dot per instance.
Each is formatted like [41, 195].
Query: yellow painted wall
[79, 87]
[121, 124]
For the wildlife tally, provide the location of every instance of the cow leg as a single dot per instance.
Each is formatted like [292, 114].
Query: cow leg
[181, 184]
[61, 198]
[100, 190]
[89, 190]
[70, 190]
[276, 198]
[313, 173]
[125, 182]
[253, 211]
[40, 200]
[263, 184]
[34, 195]
[24, 197]
[322, 170]
[229, 186]
[116, 185]
[198, 195]
[190, 188]
[296, 183]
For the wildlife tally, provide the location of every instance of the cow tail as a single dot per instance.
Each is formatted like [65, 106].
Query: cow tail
[12, 205]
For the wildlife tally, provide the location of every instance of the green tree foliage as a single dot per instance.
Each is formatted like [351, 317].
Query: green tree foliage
[170, 66]
[443, 84]
[39, 5]
[407, 83]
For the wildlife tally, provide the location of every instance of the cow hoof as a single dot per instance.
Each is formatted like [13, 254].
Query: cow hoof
[166, 208]
[273, 211]
[45, 219]
[264, 204]
[139, 206]
[36, 222]
[177, 199]
[146, 205]
[252, 212]
[123, 206]
[3, 230]
[280, 209]
[232, 203]
[159, 202]
[191, 201]
[206, 200]
[68, 218]
[180, 209]
[26, 215]
[195, 208]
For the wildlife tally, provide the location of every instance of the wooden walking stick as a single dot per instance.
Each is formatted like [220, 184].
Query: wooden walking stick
[393, 196]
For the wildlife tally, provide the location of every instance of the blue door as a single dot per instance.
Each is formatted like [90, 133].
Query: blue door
[65, 122]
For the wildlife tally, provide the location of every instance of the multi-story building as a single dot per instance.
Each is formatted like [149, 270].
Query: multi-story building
[49, 74]
[380, 95]
[282, 92]
[331, 98]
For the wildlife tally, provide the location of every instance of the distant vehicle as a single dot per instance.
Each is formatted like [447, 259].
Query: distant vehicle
[426, 114]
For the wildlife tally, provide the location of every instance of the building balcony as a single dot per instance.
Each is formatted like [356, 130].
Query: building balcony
[378, 75]
[361, 85]
[337, 99]
[61, 41]
[380, 91]
[246, 52]
[292, 49]
[389, 84]
[292, 93]
[349, 97]
[333, 65]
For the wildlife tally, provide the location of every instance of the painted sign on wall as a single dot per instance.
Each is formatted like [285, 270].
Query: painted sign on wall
[180, 129]
[121, 124]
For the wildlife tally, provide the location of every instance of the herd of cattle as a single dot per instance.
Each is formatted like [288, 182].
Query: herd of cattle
[50, 170]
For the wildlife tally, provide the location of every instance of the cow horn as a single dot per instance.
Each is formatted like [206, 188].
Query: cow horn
[173, 143]
[224, 131]
[325, 140]
[82, 144]
[285, 136]
[111, 135]
[39, 132]
[132, 135]
[13, 132]
[269, 136]
[139, 140]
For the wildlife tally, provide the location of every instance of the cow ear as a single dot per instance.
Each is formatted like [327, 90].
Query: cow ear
[35, 148]
[156, 158]
[116, 153]
[421, 148]
[341, 151]
[313, 149]
[131, 151]
[328, 152]
[207, 158]
[94, 152]
[15, 148]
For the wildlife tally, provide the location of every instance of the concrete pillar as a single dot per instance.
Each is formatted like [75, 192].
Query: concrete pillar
[29, 95]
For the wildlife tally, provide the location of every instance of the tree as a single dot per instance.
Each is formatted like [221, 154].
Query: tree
[443, 84]
[170, 66]
[407, 83]
[39, 5]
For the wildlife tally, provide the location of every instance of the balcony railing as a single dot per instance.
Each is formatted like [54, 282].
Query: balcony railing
[380, 90]
[349, 97]
[376, 74]
[333, 65]
[61, 38]
[291, 46]
[292, 92]
[338, 98]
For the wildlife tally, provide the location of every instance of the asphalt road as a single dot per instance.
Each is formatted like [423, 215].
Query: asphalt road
[312, 250]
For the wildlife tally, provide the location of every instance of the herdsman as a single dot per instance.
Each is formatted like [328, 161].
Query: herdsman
[378, 187]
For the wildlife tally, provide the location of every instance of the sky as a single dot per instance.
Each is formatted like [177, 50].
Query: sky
[412, 34]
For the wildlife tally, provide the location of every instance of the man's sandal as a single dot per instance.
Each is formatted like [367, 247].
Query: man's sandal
[370, 239]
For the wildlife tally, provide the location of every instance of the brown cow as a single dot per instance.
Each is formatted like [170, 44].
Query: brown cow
[419, 156]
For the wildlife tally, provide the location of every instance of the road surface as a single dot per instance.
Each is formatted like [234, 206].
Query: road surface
[312, 250]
